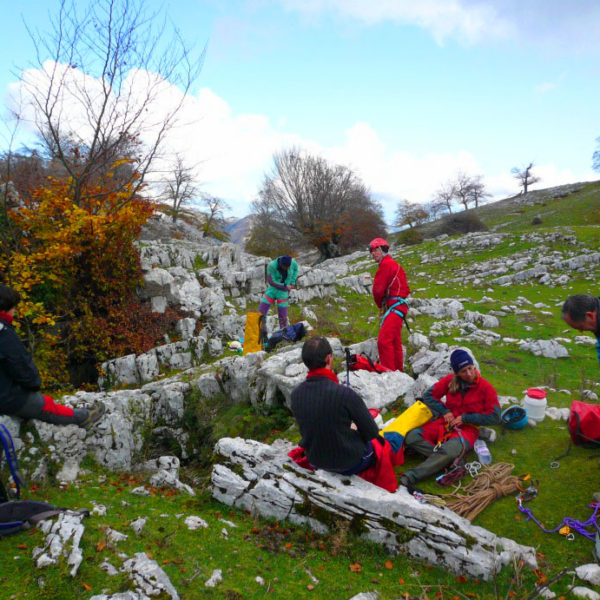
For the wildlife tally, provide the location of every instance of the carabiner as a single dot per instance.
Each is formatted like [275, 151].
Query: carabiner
[554, 464]
[473, 468]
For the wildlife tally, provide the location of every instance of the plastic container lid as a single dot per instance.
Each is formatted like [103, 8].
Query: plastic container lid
[536, 393]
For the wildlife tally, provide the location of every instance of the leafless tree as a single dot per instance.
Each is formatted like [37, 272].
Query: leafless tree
[94, 90]
[478, 193]
[435, 208]
[524, 177]
[463, 185]
[214, 224]
[445, 196]
[179, 187]
[410, 213]
[312, 202]
[465, 189]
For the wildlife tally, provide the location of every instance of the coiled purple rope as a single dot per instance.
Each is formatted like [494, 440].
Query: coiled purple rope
[574, 524]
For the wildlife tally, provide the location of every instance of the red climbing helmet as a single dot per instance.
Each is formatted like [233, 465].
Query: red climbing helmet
[377, 243]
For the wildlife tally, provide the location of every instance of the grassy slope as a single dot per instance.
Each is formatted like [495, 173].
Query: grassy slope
[283, 556]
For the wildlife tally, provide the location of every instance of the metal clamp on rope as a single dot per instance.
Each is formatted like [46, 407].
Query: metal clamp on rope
[473, 468]
[526, 495]
[554, 464]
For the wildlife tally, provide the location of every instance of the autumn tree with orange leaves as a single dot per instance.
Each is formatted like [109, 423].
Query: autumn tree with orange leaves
[77, 268]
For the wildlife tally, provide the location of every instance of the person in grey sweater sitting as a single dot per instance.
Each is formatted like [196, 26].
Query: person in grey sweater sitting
[336, 427]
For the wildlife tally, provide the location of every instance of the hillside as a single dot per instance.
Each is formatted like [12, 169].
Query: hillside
[547, 207]
[498, 293]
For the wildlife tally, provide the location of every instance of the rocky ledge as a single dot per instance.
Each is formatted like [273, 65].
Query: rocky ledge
[262, 479]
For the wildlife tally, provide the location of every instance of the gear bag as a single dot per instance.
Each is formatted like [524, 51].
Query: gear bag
[360, 362]
[414, 416]
[584, 424]
[254, 335]
[291, 333]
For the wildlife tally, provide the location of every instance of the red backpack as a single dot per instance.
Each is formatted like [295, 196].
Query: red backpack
[359, 362]
[584, 424]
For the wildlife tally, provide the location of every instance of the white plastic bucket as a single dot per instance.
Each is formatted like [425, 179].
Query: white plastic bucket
[535, 403]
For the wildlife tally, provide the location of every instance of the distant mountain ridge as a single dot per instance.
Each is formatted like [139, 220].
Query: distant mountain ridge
[239, 230]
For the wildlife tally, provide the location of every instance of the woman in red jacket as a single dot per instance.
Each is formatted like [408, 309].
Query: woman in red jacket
[470, 401]
[390, 291]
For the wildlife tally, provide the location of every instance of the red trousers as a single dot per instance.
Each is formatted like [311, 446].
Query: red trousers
[389, 342]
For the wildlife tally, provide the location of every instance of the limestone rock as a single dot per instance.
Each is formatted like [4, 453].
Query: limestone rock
[546, 348]
[62, 542]
[263, 479]
[589, 572]
[379, 390]
[583, 592]
[148, 577]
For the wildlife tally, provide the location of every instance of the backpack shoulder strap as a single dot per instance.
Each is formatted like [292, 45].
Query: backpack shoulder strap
[11, 458]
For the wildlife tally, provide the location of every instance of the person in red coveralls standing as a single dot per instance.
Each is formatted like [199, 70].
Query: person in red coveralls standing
[390, 290]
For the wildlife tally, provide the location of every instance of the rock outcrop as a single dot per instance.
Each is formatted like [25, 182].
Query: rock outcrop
[262, 479]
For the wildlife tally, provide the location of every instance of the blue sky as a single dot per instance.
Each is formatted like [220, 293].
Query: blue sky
[406, 93]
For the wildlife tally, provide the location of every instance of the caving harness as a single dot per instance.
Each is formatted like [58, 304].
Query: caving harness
[398, 301]
[457, 469]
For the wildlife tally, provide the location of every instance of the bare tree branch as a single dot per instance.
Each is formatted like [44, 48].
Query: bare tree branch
[95, 88]
[524, 176]
[179, 187]
[313, 202]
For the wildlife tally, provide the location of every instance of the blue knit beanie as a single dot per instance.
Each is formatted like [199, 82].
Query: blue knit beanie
[459, 359]
[285, 260]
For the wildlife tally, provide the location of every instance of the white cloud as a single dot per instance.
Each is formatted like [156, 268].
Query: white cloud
[544, 88]
[469, 22]
[233, 152]
[572, 26]
[548, 86]
[393, 174]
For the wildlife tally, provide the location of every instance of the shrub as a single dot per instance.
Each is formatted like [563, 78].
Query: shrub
[464, 222]
[410, 237]
[77, 268]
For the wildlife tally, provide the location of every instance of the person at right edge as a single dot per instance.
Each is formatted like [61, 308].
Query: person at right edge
[581, 312]
[390, 290]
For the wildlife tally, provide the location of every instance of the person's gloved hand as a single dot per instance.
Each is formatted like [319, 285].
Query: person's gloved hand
[395, 439]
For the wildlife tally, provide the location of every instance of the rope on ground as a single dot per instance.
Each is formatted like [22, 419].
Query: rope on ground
[491, 483]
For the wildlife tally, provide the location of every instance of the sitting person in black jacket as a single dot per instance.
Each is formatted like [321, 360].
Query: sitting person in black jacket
[20, 381]
[334, 422]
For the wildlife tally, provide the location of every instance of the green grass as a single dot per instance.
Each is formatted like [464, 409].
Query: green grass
[285, 557]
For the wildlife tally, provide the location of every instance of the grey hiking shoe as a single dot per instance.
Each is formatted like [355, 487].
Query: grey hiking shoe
[487, 434]
[94, 414]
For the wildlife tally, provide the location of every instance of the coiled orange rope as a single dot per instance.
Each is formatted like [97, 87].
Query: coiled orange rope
[491, 483]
